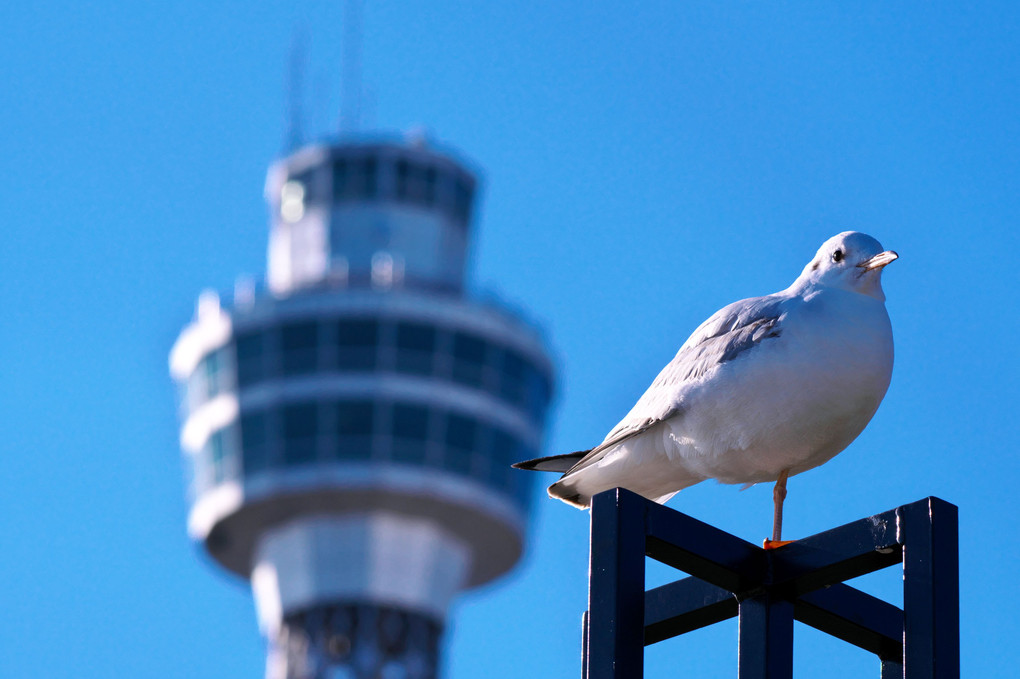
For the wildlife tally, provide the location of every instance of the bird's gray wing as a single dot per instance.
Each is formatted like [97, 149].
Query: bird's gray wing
[729, 334]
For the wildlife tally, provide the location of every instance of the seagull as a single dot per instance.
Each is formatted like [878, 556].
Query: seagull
[765, 389]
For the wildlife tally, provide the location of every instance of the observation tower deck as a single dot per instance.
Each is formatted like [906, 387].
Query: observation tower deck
[350, 428]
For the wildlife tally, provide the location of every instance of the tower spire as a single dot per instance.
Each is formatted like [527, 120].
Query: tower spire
[295, 91]
[350, 84]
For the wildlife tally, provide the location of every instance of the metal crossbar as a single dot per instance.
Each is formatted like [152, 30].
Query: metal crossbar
[768, 590]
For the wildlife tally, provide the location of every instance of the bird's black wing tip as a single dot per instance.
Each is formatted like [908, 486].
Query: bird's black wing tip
[528, 465]
[554, 463]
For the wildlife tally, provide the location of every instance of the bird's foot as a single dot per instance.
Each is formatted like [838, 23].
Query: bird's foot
[775, 544]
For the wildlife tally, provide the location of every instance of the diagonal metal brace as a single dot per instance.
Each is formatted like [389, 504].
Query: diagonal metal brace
[768, 590]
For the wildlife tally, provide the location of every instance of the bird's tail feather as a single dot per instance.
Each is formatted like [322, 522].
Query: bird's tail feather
[569, 493]
[565, 489]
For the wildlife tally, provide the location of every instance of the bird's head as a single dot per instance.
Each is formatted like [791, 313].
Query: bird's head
[850, 260]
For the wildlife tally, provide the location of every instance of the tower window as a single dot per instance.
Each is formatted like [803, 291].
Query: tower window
[255, 441]
[355, 418]
[412, 182]
[416, 346]
[300, 347]
[461, 434]
[213, 374]
[410, 432]
[341, 181]
[410, 422]
[300, 433]
[430, 181]
[251, 351]
[355, 423]
[197, 389]
[356, 344]
[403, 177]
[468, 359]
[215, 453]
[355, 179]
[371, 179]
[461, 431]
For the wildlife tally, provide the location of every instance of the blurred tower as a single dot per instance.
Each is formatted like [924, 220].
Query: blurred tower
[349, 427]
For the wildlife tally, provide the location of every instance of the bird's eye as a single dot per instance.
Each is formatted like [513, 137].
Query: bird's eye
[837, 256]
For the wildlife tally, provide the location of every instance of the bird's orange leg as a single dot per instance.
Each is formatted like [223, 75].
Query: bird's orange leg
[778, 495]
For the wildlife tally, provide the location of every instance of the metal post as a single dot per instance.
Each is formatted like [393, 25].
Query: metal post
[892, 669]
[765, 638]
[931, 591]
[616, 594]
[583, 645]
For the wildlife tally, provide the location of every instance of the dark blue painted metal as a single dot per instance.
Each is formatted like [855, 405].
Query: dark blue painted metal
[616, 587]
[701, 550]
[765, 640]
[584, 644]
[892, 669]
[854, 617]
[684, 606]
[768, 590]
[931, 590]
[839, 554]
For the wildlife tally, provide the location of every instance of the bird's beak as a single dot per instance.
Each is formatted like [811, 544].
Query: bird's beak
[879, 260]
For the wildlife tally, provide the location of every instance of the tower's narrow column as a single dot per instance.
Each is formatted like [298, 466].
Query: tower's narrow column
[350, 427]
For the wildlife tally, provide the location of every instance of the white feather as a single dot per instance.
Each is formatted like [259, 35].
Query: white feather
[767, 384]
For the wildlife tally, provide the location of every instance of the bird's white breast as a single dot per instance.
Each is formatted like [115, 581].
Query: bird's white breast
[822, 380]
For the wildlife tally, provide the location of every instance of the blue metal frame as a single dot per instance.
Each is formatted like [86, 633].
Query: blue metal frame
[768, 590]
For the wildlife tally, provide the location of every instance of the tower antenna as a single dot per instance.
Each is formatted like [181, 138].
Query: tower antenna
[295, 91]
[350, 84]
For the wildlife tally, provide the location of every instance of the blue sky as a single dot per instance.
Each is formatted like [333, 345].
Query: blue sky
[643, 165]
